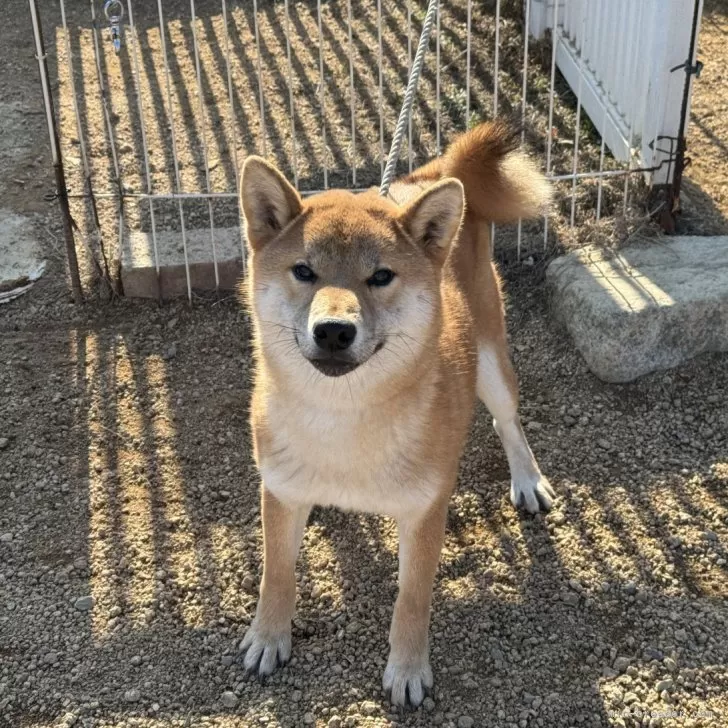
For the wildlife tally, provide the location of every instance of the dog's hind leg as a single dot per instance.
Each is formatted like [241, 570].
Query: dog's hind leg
[498, 389]
[267, 643]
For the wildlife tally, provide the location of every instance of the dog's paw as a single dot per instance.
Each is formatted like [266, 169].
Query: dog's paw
[265, 649]
[406, 681]
[533, 493]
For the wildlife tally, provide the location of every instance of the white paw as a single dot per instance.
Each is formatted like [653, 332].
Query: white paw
[407, 680]
[265, 649]
[533, 493]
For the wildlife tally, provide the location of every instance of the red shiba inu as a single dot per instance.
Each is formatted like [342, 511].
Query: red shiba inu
[377, 321]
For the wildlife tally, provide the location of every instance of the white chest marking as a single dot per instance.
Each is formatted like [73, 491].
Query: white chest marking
[346, 459]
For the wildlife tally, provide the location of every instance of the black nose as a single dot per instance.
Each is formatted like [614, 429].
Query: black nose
[333, 335]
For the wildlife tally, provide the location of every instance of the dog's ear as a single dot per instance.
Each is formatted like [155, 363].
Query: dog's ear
[433, 219]
[268, 200]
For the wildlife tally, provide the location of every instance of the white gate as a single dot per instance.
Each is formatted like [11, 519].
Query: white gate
[626, 60]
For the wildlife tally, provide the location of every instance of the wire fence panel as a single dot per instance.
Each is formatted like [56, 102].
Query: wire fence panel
[153, 132]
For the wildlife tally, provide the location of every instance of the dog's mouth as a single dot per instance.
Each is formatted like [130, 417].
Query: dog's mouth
[333, 367]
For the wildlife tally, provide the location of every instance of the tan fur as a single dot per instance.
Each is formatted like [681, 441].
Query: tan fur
[387, 436]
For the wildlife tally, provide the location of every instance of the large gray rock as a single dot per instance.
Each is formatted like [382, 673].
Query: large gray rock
[139, 270]
[650, 306]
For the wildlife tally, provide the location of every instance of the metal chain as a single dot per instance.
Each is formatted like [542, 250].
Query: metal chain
[409, 97]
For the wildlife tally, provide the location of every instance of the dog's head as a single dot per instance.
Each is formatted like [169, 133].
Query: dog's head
[343, 282]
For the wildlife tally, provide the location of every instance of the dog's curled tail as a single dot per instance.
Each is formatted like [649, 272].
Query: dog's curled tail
[501, 183]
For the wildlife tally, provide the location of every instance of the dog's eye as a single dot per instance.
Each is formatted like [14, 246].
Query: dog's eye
[382, 277]
[304, 273]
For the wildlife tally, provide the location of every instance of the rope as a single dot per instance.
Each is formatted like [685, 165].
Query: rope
[409, 97]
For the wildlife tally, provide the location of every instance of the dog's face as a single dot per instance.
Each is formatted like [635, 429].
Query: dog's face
[341, 282]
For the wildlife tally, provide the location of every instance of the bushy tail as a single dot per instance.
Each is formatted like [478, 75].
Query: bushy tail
[501, 183]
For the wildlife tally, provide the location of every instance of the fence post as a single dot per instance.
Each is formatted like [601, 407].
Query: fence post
[61, 191]
[539, 17]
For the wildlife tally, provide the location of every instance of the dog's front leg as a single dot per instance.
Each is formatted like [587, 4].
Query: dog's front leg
[408, 672]
[268, 639]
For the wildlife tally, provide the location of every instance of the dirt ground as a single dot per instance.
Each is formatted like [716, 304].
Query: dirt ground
[706, 182]
[130, 533]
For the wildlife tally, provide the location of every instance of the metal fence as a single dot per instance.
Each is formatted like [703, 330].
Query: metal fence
[159, 102]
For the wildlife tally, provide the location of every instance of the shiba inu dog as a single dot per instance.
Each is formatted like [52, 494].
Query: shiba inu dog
[377, 321]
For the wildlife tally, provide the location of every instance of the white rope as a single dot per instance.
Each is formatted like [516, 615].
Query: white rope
[409, 97]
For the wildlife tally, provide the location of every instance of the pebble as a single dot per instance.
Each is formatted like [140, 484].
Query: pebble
[570, 598]
[51, 658]
[83, 604]
[465, 721]
[664, 685]
[229, 699]
[136, 660]
[630, 588]
[368, 707]
[428, 704]
[334, 722]
[4, 442]
[308, 718]
[630, 698]
[6, 537]
[227, 660]
[132, 695]
[621, 664]
[248, 583]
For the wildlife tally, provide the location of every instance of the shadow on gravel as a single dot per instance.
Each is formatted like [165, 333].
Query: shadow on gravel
[559, 619]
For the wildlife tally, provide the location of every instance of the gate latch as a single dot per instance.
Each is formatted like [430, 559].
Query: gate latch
[690, 69]
[114, 12]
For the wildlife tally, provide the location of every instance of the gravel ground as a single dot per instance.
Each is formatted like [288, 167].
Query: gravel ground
[130, 536]
[130, 541]
[706, 180]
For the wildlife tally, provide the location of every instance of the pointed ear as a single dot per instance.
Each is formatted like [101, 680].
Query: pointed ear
[269, 201]
[433, 219]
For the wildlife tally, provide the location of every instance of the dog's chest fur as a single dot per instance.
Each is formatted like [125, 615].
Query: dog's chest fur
[355, 459]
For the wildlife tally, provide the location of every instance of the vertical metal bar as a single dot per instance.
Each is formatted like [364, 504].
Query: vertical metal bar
[524, 91]
[259, 63]
[56, 155]
[602, 151]
[322, 96]
[410, 151]
[437, 81]
[203, 138]
[104, 95]
[496, 61]
[554, 43]
[584, 8]
[351, 96]
[143, 130]
[109, 130]
[381, 88]
[175, 158]
[496, 66]
[103, 274]
[291, 105]
[468, 34]
[231, 100]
